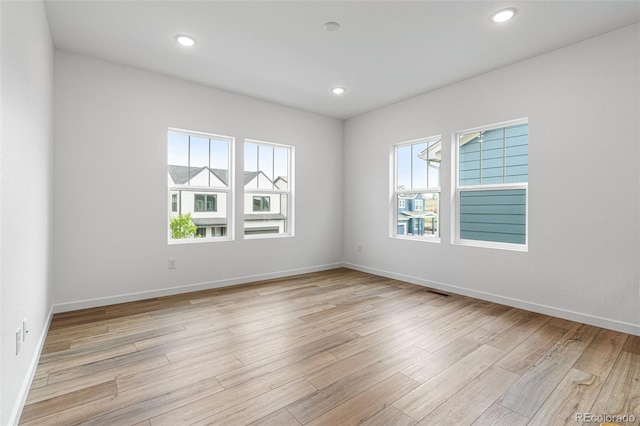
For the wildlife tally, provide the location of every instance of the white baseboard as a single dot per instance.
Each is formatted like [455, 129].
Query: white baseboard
[26, 384]
[516, 303]
[132, 297]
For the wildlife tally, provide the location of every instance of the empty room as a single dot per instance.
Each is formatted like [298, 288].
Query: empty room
[319, 212]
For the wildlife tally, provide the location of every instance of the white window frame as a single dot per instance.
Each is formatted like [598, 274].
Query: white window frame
[457, 189]
[394, 193]
[207, 190]
[289, 192]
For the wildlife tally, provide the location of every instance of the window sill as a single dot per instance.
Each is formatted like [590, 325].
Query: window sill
[492, 245]
[267, 236]
[420, 239]
[173, 242]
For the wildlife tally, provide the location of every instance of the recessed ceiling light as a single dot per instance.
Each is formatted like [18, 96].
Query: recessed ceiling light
[503, 15]
[331, 26]
[338, 90]
[186, 41]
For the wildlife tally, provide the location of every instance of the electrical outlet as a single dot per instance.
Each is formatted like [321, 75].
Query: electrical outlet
[25, 329]
[172, 263]
[18, 341]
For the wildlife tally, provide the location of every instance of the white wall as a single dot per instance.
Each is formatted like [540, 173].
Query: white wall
[25, 184]
[110, 185]
[582, 263]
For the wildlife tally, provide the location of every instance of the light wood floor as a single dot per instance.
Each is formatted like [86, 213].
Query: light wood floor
[332, 348]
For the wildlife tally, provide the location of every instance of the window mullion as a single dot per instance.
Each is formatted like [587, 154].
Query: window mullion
[480, 141]
[504, 155]
[411, 162]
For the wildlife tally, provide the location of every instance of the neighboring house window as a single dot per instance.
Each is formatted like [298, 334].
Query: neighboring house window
[261, 204]
[415, 201]
[219, 231]
[268, 188]
[200, 186]
[204, 203]
[491, 191]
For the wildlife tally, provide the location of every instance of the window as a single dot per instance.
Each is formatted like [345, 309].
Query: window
[200, 188]
[261, 204]
[492, 186]
[204, 203]
[268, 188]
[415, 199]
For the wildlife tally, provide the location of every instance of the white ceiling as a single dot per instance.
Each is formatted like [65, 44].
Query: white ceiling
[384, 52]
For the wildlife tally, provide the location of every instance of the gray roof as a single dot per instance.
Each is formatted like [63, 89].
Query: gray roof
[423, 214]
[249, 176]
[181, 175]
[223, 175]
[208, 221]
[264, 216]
[412, 196]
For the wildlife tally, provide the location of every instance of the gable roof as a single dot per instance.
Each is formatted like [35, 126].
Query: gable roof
[181, 175]
[249, 176]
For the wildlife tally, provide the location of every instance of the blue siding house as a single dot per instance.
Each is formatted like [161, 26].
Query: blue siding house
[494, 158]
[413, 219]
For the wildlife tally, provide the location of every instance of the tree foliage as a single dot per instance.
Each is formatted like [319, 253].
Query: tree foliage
[182, 227]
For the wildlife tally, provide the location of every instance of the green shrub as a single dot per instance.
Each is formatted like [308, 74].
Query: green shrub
[182, 227]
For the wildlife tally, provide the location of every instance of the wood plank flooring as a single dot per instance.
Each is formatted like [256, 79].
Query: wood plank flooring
[331, 348]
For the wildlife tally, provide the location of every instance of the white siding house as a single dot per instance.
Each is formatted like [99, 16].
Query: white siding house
[265, 213]
[192, 190]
